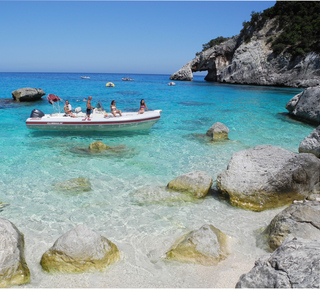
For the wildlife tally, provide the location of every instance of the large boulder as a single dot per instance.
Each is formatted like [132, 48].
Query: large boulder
[80, 250]
[311, 144]
[300, 220]
[295, 264]
[218, 132]
[197, 183]
[27, 94]
[13, 267]
[268, 177]
[306, 105]
[206, 246]
[80, 184]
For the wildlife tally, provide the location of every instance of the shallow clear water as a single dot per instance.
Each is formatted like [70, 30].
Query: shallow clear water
[120, 206]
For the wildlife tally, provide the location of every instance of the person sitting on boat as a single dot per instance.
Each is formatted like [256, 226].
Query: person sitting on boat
[114, 109]
[143, 106]
[89, 109]
[67, 109]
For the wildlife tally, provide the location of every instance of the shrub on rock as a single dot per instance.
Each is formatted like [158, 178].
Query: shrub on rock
[80, 250]
[206, 246]
[13, 267]
[268, 177]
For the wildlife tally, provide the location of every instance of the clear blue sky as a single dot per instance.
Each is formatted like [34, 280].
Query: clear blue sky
[114, 36]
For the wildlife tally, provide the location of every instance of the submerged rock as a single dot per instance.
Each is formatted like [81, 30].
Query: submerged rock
[13, 267]
[206, 246]
[268, 177]
[98, 146]
[80, 250]
[300, 220]
[197, 183]
[76, 184]
[306, 105]
[27, 94]
[162, 195]
[311, 144]
[218, 132]
[295, 264]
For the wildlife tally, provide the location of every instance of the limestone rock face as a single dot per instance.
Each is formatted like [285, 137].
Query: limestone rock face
[13, 267]
[197, 182]
[295, 264]
[311, 144]
[218, 132]
[237, 62]
[300, 220]
[27, 94]
[268, 177]
[80, 250]
[306, 105]
[206, 246]
[98, 146]
[79, 184]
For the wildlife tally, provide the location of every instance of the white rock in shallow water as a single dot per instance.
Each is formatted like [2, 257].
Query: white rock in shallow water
[206, 246]
[218, 132]
[13, 267]
[80, 250]
[197, 183]
[268, 177]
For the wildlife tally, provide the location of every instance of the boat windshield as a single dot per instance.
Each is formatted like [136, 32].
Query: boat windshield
[99, 106]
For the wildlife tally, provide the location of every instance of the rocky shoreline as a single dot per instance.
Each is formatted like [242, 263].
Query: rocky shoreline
[236, 61]
[256, 179]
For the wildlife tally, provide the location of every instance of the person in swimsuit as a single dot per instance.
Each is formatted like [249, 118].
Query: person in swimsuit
[67, 109]
[89, 109]
[143, 106]
[114, 109]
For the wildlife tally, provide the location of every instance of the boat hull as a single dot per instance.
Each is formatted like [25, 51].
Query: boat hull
[129, 122]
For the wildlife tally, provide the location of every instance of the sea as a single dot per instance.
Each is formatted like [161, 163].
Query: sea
[128, 203]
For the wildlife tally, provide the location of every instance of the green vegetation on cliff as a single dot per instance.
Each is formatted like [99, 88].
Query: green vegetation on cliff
[299, 22]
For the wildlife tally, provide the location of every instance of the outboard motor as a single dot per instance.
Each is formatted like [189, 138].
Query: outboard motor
[36, 114]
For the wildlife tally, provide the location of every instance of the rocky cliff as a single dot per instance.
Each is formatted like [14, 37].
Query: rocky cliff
[236, 61]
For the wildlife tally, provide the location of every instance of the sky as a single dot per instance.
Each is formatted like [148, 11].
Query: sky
[155, 37]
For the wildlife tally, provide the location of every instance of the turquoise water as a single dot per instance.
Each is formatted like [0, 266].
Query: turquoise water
[126, 201]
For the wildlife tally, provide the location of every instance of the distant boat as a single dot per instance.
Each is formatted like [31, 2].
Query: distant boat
[127, 79]
[109, 84]
[85, 77]
[171, 84]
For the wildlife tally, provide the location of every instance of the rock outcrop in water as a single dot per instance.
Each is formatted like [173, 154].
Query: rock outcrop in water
[295, 264]
[198, 183]
[13, 267]
[236, 61]
[206, 246]
[80, 250]
[311, 144]
[268, 177]
[299, 220]
[218, 132]
[27, 94]
[306, 105]
[80, 184]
